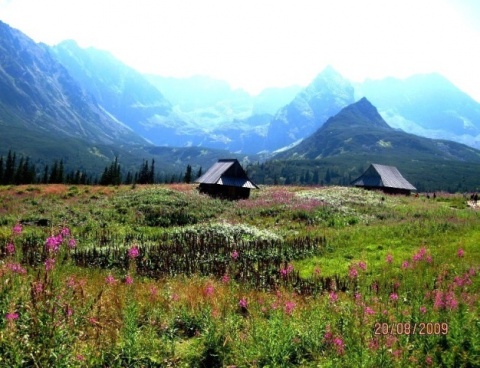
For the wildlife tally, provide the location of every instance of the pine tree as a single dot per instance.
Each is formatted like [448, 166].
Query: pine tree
[144, 174]
[10, 168]
[188, 174]
[53, 179]
[151, 177]
[18, 176]
[60, 178]
[1, 170]
[199, 173]
[45, 175]
[129, 178]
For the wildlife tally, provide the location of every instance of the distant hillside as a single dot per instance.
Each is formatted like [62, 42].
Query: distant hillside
[38, 95]
[357, 136]
[124, 93]
[324, 97]
[427, 105]
[211, 102]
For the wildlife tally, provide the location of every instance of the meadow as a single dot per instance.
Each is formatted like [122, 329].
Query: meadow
[162, 276]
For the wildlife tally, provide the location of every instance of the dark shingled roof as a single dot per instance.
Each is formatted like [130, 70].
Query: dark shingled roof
[227, 172]
[381, 176]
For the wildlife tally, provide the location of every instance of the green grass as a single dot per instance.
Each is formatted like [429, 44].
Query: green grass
[72, 316]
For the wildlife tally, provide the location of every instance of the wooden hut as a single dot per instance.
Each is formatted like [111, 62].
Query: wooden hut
[226, 179]
[385, 178]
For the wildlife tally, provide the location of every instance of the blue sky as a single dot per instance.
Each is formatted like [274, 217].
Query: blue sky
[263, 43]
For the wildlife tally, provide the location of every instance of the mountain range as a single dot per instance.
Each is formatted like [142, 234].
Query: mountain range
[357, 136]
[86, 106]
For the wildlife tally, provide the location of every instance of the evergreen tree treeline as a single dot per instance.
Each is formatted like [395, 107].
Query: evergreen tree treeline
[15, 170]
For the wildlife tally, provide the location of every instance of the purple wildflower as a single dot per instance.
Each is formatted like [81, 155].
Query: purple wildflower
[243, 303]
[128, 280]
[362, 265]
[234, 255]
[353, 273]
[110, 280]
[394, 296]
[72, 243]
[133, 252]
[10, 248]
[389, 258]
[52, 244]
[460, 253]
[49, 264]
[17, 229]
[225, 278]
[289, 307]
[17, 268]
[209, 290]
[11, 316]
[333, 297]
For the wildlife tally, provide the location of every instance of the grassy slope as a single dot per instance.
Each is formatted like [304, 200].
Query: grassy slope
[191, 320]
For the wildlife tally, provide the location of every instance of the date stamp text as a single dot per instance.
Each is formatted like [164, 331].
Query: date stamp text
[407, 328]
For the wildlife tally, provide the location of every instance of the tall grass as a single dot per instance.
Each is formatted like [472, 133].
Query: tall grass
[393, 282]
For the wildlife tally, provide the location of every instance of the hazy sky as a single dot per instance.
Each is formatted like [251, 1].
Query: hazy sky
[254, 44]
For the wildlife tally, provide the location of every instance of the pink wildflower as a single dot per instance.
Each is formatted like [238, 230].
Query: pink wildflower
[369, 311]
[175, 297]
[333, 297]
[225, 278]
[373, 344]
[10, 249]
[71, 282]
[153, 291]
[389, 258]
[243, 303]
[209, 290]
[394, 296]
[339, 345]
[133, 252]
[234, 255]
[289, 307]
[439, 302]
[450, 301]
[128, 280]
[38, 288]
[362, 265]
[72, 243]
[49, 264]
[428, 259]
[17, 229]
[428, 360]
[316, 271]
[460, 253]
[17, 268]
[65, 232]
[11, 316]
[353, 273]
[423, 309]
[405, 264]
[110, 280]
[52, 244]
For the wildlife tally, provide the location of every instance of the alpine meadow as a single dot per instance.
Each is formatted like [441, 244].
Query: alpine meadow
[160, 276]
[239, 184]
